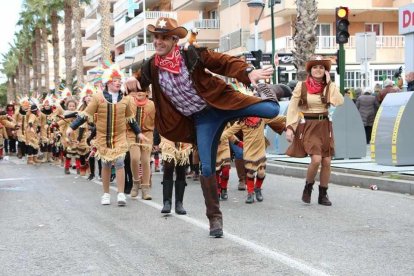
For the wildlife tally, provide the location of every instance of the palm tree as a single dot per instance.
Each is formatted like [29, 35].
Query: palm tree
[304, 35]
[9, 64]
[68, 42]
[55, 6]
[77, 17]
[104, 11]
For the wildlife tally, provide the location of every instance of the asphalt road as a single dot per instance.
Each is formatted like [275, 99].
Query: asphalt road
[53, 224]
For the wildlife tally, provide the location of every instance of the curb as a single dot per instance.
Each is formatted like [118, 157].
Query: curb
[351, 179]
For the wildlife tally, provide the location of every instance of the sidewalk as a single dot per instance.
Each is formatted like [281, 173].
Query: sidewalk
[354, 172]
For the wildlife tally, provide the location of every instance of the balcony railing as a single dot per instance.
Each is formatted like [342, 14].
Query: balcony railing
[234, 40]
[148, 15]
[203, 24]
[329, 42]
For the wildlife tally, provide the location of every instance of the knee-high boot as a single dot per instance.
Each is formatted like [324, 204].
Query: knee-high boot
[167, 188]
[241, 173]
[209, 187]
[179, 195]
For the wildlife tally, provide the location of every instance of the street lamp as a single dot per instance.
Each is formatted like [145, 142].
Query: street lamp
[256, 5]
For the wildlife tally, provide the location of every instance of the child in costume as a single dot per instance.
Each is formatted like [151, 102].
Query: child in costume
[114, 111]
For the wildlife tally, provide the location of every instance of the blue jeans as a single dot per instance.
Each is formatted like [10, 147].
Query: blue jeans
[210, 123]
[238, 151]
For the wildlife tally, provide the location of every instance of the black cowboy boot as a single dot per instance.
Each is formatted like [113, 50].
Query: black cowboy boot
[323, 196]
[209, 187]
[307, 192]
[179, 195]
[258, 193]
[250, 198]
[167, 187]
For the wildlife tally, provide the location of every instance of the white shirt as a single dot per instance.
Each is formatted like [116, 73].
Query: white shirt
[114, 96]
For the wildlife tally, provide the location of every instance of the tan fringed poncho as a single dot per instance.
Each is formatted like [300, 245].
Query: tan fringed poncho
[32, 137]
[111, 139]
[145, 117]
[179, 152]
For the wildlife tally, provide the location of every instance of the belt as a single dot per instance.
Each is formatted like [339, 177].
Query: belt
[205, 109]
[316, 116]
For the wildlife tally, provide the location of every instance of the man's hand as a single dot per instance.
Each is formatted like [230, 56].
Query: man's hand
[260, 74]
[143, 138]
[132, 85]
[290, 135]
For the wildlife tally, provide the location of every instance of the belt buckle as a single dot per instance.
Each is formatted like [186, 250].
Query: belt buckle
[320, 117]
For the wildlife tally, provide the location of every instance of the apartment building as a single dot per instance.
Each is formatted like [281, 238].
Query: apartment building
[132, 42]
[234, 23]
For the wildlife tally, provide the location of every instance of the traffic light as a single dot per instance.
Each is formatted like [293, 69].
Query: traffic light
[280, 76]
[258, 58]
[342, 25]
[337, 62]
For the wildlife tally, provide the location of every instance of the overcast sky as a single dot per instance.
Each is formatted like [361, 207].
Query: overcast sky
[9, 14]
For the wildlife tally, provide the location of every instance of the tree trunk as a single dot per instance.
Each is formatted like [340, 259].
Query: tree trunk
[34, 61]
[77, 17]
[27, 71]
[104, 11]
[38, 39]
[68, 43]
[55, 44]
[46, 58]
[304, 35]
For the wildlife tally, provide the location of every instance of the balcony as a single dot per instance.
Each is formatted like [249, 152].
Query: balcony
[328, 43]
[119, 7]
[95, 50]
[138, 23]
[86, 64]
[135, 55]
[209, 31]
[85, 43]
[194, 4]
[91, 10]
[92, 30]
[390, 49]
[327, 7]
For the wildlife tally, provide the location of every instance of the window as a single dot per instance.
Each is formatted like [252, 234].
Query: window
[130, 44]
[374, 27]
[381, 75]
[323, 32]
[352, 79]
[213, 14]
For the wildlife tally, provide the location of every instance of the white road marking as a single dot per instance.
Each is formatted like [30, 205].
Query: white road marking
[259, 249]
[30, 178]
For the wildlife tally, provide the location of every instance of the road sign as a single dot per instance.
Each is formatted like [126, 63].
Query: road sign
[366, 47]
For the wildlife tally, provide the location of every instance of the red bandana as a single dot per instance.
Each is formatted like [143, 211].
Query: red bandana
[171, 62]
[252, 121]
[313, 86]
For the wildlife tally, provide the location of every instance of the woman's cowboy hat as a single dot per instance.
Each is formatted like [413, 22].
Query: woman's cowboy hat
[316, 60]
[167, 26]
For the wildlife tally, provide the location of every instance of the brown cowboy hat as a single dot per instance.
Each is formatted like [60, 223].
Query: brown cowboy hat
[316, 60]
[167, 26]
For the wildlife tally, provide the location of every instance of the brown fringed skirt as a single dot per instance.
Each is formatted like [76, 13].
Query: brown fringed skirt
[313, 137]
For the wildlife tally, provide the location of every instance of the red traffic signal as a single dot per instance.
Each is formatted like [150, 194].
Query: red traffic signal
[342, 24]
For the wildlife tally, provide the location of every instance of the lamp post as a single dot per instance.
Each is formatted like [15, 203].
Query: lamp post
[255, 5]
[271, 4]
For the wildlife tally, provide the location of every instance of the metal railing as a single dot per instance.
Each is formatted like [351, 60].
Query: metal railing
[329, 42]
[158, 14]
[203, 24]
[234, 40]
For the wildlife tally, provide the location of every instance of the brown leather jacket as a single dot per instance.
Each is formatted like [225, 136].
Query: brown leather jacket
[176, 127]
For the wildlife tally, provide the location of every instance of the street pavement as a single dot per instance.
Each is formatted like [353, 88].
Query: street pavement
[53, 224]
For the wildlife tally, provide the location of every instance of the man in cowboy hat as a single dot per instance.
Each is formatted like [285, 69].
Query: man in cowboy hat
[193, 106]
